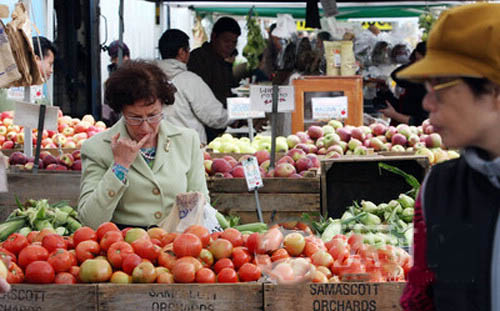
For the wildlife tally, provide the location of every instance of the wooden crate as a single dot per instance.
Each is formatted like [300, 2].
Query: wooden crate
[349, 179]
[333, 296]
[49, 297]
[52, 185]
[220, 297]
[283, 197]
[53, 151]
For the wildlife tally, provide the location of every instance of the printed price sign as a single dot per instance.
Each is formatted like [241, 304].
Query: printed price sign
[239, 108]
[27, 115]
[261, 98]
[329, 107]
[17, 93]
[252, 174]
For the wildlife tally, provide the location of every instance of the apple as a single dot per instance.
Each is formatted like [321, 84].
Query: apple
[18, 158]
[314, 159]
[315, 132]
[265, 165]
[8, 144]
[376, 144]
[426, 152]
[336, 124]
[11, 135]
[2, 139]
[144, 272]
[70, 144]
[344, 133]
[220, 165]
[391, 130]
[336, 148]
[379, 129]
[238, 172]
[80, 136]
[433, 140]
[304, 138]
[13, 127]
[328, 129]
[399, 139]
[360, 150]
[413, 139]
[262, 155]
[286, 159]
[331, 139]
[284, 170]
[59, 139]
[49, 159]
[358, 134]
[440, 155]
[3, 130]
[89, 118]
[208, 166]
[333, 155]
[404, 129]
[76, 154]
[296, 154]
[100, 125]
[7, 114]
[8, 121]
[303, 164]
[66, 159]
[353, 143]
[397, 148]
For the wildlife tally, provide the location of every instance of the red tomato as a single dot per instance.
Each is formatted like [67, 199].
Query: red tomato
[252, 242]
[197, 264]
[31, 236]
[15, 274]
[167, 259]
[165, 278]
[117, 253]
[233, 236]
[187, 244]
[200, 232]
[74, 261]
[61, 260]
[184, 272]
[39, 237]
[227, 275]
[39, 272]
[32, 253]
[168, 238]
[65, 278]
[205, 275]
[146, 249]
[156, 242]
[87, 249]
[125, 230]
[15, 243]
[221, 248]
[339, 249]
[356, 241]
[249, 272]
[130, 261]
[223, 263]
[279, 254]
[240, 256]
[84, 234]
[5, 253]
[105, 227]
[75, 271]
[215, 235]
[53, 241]
[109, 238]
[69, 242]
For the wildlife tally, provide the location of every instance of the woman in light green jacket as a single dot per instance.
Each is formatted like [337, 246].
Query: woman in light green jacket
[132, 172]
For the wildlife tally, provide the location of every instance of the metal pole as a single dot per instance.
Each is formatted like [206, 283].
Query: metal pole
[41, 121]
[250, 128]
[28, 140]
[120, 33]
[274, 115]
[257, 202]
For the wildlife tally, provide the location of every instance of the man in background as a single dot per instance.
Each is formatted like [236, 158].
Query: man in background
[195, 105]
[208, 62]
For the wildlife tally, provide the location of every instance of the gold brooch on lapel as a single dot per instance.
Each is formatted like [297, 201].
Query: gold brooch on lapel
[167, 145]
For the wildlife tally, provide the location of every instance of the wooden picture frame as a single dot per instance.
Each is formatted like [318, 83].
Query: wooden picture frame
[352, 86]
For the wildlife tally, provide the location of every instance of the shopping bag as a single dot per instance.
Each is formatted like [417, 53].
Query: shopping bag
[8, 66]
[190, 208]
[19, 33]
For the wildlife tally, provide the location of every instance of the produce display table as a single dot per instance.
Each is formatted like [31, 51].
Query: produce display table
[243, 296]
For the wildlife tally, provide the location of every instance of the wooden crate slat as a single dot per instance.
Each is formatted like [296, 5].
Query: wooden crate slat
[283, 185]
[49, 297]
[333, 296]
[220, 297]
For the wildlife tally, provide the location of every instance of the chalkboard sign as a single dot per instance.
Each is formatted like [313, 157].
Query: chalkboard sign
[349, 179]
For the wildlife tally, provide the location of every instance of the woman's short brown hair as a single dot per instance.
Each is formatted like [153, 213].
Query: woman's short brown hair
[137, 80]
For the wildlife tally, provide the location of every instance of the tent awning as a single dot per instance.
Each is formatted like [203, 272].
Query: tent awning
[344, 12]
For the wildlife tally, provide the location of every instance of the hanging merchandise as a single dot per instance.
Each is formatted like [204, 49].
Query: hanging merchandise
[8, 67]
[19, 33]
[255, 43]
[199, 34]
[340, 59]
[285, 26]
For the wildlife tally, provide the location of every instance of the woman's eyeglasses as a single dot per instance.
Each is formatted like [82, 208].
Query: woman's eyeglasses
[138, 121]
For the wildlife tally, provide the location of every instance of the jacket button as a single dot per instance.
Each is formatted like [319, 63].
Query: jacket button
[111, 193]
[158, 215]
[156, 191]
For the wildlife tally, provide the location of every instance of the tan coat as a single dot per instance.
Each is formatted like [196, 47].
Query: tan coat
[148, 194]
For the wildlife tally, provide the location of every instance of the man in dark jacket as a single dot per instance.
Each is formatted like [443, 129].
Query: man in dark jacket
[208, 62]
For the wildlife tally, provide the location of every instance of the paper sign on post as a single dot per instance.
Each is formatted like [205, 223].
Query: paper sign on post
[261, 98]
[329, 107]
[17, 93]
[27, 115]
[252, 174]
[238, 108]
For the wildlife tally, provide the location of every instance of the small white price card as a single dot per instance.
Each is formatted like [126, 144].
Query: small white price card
[238, 108]
[252, 173]
[329, 107]
[27, 115]
[17, 93]
[3, 173]
[261, 98]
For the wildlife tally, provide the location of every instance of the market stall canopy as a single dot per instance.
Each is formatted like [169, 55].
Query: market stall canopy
[386, 11]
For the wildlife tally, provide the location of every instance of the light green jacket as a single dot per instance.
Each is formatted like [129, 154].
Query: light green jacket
[148, 195]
